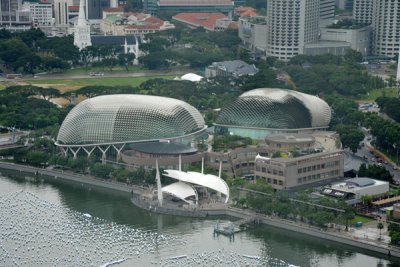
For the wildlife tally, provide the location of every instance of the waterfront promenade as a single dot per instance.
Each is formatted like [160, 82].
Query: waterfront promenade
[343, 237]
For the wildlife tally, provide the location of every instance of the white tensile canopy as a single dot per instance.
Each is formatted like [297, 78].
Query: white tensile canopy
[181, 191]
[207, 180]
[191, 77]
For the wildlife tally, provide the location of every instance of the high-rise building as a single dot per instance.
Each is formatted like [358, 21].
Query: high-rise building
[41, 13]
[82, 29]
[11, 13]
[94, 8]
[291, 25]
[327, 9]
[362, 11]
[61, 13]
[386, 27]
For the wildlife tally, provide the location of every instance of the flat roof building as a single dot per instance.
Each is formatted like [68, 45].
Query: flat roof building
[288, 173]
[355, 188]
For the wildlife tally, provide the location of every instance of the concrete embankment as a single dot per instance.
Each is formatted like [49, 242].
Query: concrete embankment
[85, 179]
[342, 237]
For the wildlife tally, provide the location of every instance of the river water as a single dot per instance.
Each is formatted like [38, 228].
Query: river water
[69, 224]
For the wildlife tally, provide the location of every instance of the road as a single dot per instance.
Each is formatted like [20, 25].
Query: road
[106, 75]
[370, 159]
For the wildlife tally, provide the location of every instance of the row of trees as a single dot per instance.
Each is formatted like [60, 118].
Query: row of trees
[376, 172]
[301, 208]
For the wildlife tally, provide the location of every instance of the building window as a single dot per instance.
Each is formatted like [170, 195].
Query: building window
[280, 182]
[275, 181]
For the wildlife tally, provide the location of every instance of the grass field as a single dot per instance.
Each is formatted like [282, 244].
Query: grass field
[362, 219]
[374, 94]
[66, 85]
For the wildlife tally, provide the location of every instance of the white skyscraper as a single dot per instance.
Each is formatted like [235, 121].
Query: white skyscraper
[61, 13]
[386, 27]
[291, 25]
[82, 29]
[362, 11]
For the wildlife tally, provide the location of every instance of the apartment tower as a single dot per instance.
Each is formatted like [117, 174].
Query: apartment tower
[291, 24]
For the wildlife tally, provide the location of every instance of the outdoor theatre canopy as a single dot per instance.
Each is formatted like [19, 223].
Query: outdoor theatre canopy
[181, 191]
[206, 180]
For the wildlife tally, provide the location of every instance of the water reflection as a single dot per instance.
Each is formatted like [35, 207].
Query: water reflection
[162, 237]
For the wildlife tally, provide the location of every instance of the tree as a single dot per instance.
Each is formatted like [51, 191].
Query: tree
[28, 63]
[101, 170]
[350, 136]
[380, 227]
[37, 158]
[126, 60]
[12, 50]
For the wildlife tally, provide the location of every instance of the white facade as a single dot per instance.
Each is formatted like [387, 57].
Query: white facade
[41, 14]
[359, 39]
[253, 32]
[82, 29]
[386, 26]
[375, 188]
[362, 11]
[61, 13]
[327, 9]
[291, 24]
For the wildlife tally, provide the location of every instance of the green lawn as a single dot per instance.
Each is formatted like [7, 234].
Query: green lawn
[2, 87]
[362, 219]
[374, 94]
[109, 81]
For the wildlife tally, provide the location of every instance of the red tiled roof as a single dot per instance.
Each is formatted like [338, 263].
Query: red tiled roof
[206, 20]
[244, 11]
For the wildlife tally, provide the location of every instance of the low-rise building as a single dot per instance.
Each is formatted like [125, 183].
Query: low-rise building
[358, 38]
[208, 21]
[132, 24]
[233, 68]
[287, 173]
[355, 188]
[290, 142]
[209, 6]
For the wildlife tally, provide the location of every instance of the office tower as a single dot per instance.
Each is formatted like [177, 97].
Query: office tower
[94, 8]
[61, 13]
[291, 24]
[9, 12]
[386, 27]
[327, 9]
[362, 11]
[82, 29]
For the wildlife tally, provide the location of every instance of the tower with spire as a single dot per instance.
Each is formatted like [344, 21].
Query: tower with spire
[82, 29]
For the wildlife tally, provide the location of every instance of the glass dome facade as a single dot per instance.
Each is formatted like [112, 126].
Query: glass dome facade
[272, 110]
[128, 118]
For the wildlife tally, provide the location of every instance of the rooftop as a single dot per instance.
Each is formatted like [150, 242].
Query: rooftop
[238, 67]
[205, 20]
[290, 138]
[195, 3]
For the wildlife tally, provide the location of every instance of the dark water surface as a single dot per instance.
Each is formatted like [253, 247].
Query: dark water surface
[69, 224]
